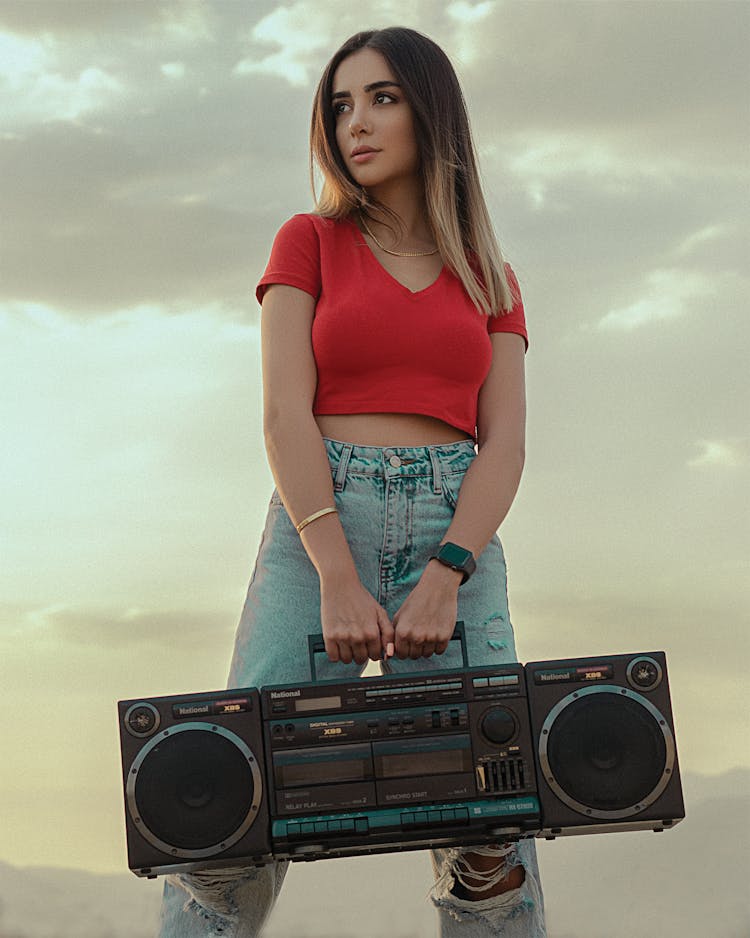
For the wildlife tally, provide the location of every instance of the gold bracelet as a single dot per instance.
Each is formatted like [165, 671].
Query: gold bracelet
[314, 517]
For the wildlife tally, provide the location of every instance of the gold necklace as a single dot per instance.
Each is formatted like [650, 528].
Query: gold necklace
[395, 253]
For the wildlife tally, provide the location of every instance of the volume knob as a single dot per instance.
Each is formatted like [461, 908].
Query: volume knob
[499, 725]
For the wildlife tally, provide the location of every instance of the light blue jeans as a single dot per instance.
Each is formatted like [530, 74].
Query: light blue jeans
[395, 504]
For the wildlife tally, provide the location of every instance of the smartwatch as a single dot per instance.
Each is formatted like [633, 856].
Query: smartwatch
[457, 558]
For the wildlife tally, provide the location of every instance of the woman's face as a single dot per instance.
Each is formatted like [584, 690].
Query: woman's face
[374, 122]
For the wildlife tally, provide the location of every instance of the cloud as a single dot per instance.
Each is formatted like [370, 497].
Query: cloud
[300, 31]
[173, 69]
[728, 454]
[33, 89]
[668, 295]
[169, 190]
[99, 225]
[132, 627]
[79, 18]
[651, 85]
[464, 12]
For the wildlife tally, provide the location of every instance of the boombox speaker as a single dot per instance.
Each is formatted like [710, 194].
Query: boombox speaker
[193, 778]
[604, 744]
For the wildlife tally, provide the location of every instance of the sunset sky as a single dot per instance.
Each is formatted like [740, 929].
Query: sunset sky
[148, 154]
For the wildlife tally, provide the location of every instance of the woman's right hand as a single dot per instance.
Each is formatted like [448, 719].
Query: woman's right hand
[355, 626]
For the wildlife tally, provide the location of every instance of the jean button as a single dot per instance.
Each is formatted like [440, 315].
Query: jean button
[395, 462]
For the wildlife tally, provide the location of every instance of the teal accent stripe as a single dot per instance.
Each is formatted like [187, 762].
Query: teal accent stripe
[385, 818]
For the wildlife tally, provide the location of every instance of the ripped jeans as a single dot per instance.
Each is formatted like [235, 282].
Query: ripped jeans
[395, 504]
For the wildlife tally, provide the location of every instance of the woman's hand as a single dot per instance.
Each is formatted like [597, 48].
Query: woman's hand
[355, 626]
[427, 618]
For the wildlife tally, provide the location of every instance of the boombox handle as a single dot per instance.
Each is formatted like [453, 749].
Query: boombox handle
[317, 645]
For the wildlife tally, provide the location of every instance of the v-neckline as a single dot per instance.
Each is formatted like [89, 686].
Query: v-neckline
[387, 272]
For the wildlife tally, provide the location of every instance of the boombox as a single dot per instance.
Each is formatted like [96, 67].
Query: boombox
[399, 762]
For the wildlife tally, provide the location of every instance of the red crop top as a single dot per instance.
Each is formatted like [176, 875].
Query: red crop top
[379, 347]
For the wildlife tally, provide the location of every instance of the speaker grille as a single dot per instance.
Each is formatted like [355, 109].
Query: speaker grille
[194, 791]
[605, 752]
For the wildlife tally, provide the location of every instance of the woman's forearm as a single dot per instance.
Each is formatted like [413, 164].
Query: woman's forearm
[300, 466]
[486, 495]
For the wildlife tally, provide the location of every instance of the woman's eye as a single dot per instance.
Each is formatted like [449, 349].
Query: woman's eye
[384, 95]
[339, 107]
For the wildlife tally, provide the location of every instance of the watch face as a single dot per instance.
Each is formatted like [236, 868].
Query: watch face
[454, 554]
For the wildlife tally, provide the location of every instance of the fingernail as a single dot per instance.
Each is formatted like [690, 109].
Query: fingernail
[389, 650]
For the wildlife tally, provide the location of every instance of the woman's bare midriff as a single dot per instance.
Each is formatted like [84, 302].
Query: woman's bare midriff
[388, 429]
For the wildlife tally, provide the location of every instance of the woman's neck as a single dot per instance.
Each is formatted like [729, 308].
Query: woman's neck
[408, 203]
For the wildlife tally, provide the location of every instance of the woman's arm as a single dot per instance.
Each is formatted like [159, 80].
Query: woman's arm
[354, 625]
[426, 620]
[492, 480]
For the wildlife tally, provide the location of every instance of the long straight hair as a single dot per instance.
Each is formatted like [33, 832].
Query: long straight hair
[457, 211]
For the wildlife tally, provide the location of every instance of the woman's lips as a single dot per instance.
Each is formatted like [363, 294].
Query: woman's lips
[364, 156]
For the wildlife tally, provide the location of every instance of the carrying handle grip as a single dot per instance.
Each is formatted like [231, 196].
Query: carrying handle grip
[316, 646]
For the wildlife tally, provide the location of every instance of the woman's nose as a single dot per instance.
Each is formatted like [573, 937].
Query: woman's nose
[357, 124]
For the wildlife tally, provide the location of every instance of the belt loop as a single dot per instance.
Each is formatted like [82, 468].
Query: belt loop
[346, 452]
[436, 474]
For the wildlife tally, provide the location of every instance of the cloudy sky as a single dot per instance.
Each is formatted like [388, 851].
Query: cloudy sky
[148, 153]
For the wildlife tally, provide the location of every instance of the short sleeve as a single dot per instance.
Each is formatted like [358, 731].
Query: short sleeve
[295, 258]
[512, 320]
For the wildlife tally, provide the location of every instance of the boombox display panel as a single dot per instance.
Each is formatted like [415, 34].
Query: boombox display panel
[605, 745]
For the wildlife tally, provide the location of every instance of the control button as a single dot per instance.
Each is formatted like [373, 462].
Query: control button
[292, 830]
[481, 778]
[321, 827]
[308, 828]
[434, 817]
[480, 682]
[407, 820]
[372, 723]
[511, 679]
[334, 826]
[395, 462]
[277, 731]
[347, 825]
[454, 717]
[499, 725]
[462, 815]
[448, 816]
[289, 727]
[436, 719]
[361, 825]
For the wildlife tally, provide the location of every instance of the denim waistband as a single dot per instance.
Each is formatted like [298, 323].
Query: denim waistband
[389, 462]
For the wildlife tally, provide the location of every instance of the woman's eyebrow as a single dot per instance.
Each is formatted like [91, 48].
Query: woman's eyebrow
[371, 87]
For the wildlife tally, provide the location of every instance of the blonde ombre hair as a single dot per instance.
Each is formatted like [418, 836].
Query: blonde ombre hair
[457, 211]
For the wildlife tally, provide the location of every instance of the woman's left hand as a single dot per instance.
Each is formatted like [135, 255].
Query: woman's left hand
[427, 618]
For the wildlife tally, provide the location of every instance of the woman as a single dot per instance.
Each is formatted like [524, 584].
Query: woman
[393, 338]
